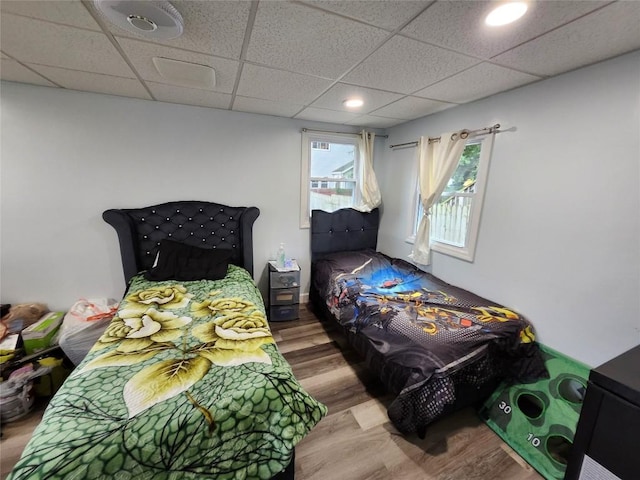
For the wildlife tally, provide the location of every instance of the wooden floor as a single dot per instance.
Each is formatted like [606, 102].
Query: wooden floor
[356, 441]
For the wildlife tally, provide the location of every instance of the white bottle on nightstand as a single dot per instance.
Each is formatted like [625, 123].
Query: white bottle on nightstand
[280, 258]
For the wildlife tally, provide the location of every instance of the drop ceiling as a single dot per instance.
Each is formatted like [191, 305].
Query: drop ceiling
[302, 59]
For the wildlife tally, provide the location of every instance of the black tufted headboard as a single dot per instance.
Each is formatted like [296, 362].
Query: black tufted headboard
[343, 230]
[204, 224]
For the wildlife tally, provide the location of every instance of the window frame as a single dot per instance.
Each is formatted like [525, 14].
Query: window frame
[466, 252]
[307, 138]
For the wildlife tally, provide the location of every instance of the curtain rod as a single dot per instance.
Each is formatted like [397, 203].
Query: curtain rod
[464, 134]
[341, 133]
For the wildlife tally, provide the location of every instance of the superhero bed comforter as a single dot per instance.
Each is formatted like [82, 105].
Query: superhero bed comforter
[185, 383]
[435, 346]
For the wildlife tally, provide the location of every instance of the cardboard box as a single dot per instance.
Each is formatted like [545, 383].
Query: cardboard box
[38, 336]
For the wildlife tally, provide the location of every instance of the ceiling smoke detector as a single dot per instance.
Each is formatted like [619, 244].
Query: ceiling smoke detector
[156, 19]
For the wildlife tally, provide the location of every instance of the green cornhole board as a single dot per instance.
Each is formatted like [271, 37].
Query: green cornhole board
[538, 420]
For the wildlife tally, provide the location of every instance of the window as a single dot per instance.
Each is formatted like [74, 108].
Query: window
[455, 217]
[328, 180]
[320, 145]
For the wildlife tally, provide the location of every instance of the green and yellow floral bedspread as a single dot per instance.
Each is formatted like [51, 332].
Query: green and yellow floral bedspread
[186, 382]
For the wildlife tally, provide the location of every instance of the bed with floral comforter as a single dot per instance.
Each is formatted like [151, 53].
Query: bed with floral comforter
[185, 383]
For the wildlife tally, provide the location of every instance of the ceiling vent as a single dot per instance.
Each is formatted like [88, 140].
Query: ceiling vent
[155, 19]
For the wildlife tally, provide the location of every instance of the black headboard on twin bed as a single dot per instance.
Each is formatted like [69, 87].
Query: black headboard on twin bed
[343, 230]
[203, 224]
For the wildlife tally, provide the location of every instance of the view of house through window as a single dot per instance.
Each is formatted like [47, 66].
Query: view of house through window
[330, 162]
[455, 216]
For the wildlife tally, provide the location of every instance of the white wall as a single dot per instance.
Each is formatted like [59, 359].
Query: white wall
[560, 232]
[68, 156]
[559, 238]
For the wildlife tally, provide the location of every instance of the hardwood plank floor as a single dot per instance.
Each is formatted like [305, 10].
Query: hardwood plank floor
[356, 441]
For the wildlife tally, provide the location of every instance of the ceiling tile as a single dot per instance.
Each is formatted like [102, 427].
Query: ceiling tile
[373, 99]
[276, 85]
[189, 96]
[68, 12]
[301, 39]
[409, 108]
[610, 31]
[94, 82]
[323, 115]
[388, 14]
[215, 28]
[266, 107]
[459, 25]
[12, 71]
[34, 41]
[375, 122]
[478, 82]
[141, 56]
[404, 65]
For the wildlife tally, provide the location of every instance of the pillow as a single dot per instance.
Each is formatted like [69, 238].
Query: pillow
[179, 261]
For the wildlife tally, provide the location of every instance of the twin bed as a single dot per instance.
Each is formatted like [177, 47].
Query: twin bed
[186, 381]
[436, 347]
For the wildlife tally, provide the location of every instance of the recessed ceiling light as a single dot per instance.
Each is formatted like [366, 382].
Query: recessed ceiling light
[353, 103]
[506, 13]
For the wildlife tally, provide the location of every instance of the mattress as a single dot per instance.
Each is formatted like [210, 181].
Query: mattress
[186, 382]
[436, 347]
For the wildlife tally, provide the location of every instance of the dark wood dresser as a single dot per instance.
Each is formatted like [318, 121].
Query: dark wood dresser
[607, 441]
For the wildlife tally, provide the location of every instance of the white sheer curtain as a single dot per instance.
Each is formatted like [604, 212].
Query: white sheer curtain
[369, 194]
[437, 160]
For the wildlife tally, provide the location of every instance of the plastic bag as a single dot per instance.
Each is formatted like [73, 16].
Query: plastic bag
[91, 310]
[83, 324]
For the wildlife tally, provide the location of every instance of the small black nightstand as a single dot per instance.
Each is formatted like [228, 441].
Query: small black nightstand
[284, 294]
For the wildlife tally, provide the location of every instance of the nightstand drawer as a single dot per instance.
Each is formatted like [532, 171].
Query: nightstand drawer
[281, 313]
[285, 279]
[284, 296]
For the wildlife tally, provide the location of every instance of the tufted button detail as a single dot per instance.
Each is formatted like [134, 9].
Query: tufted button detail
[231, 231]
[230, 218]
[168, 219]
[201, 210]
[153, 211]
[191, 233]
[158, 243]
[362, 229]
[346, 230]
[204, 239]
[142, 219]
[190, 218]
[223, 239]
[147, 253]
[169, 234]
[179, 226]
[233, 246]
[201, 226]
[222, 209]
[222, 224]
[178, 210]
[210, 218]
[145, 237]
[157, 227]
[331, 230]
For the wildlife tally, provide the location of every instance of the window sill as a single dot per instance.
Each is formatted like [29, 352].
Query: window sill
[457, 252]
